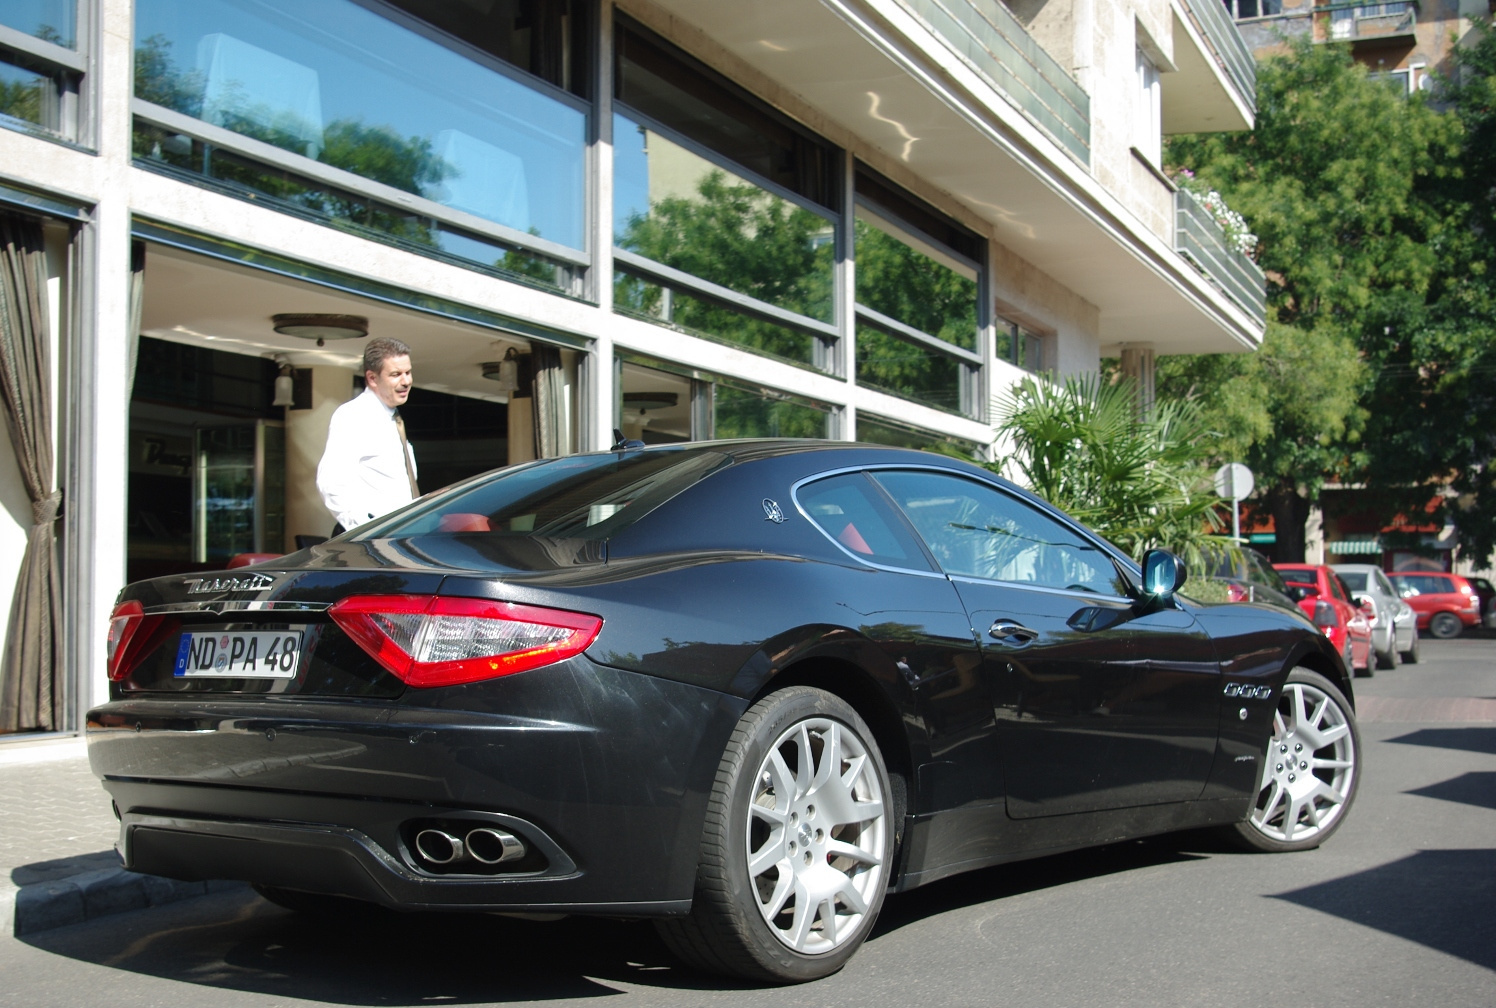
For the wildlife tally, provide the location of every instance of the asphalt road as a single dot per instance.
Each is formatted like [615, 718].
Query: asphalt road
[1399, 908]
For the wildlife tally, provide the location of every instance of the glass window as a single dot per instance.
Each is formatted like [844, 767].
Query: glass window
[977, 531]
[717, 320]
[1354, 581]
[876, 430]
[576, 497]
[680, 209]
[853, 513]
[31, 96]
[1300, 576]
[750, 413]
[1384, 584]
[338, 83]
[1019, 347]
[668, 86]
[54, 21]
[913, 284]
[908, 368]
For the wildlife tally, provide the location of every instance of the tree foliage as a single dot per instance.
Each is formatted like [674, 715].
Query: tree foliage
[1140, 483]
[1340, 181]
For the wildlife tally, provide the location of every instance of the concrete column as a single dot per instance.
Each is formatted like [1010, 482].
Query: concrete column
[1138, 364]
[306, 436]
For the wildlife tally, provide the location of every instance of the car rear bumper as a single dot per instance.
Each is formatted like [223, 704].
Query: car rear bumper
[603, 780]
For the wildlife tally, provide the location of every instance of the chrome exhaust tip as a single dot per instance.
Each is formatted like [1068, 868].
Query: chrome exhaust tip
[493, 846]
[439, 846]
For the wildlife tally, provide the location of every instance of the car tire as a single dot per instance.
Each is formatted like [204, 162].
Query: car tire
[1445, 625]
[1410, 656]
[801, 806]
[1312, 769]
[1388, 659]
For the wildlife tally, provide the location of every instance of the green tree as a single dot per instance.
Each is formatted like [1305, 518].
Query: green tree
[1140, 483]
[1336, 181]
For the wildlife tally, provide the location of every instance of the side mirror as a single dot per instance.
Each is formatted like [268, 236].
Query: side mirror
[1163, 574]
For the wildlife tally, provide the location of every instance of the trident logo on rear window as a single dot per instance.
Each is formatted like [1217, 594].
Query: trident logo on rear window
[772, 512]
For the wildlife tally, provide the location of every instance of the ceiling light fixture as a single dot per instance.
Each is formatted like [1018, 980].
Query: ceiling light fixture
[285, 385]
[645, 401]
[319, 326]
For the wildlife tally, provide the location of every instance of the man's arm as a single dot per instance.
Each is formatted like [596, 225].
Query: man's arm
[338, 476]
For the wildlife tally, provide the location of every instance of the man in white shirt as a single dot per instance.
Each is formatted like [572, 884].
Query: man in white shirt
[368, 468]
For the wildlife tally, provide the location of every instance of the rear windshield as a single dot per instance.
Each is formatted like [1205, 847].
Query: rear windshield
[1306, 577]
[1355, 582]
[577, 497]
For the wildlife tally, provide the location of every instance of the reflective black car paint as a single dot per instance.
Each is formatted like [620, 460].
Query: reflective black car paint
[1112, 723]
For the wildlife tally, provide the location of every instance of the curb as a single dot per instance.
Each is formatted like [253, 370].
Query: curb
[44, 906]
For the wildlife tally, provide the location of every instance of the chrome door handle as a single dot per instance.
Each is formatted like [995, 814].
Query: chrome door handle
[1014, 633]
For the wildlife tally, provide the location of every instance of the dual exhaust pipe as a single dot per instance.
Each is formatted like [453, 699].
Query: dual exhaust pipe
[485, 845]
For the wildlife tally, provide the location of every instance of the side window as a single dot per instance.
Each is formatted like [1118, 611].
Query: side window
[977, 531]
[1384, 584]
[1337, 588]
[850, 510]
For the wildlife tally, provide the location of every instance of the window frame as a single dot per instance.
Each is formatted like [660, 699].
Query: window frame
[72, 66]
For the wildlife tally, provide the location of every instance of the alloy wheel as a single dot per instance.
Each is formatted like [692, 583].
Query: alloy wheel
[1309, 776]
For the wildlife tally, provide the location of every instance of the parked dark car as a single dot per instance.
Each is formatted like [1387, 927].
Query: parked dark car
[1445, 603]
[744, 688]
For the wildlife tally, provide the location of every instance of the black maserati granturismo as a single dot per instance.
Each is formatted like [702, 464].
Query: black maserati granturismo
[745, 688]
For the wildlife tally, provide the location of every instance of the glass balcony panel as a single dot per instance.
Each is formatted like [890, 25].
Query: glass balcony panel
[680, 209]
[54, 21]
[1199, 238]
[908, 369]
[701, 316]
[876, 430]
[913, 287]
[336, 82]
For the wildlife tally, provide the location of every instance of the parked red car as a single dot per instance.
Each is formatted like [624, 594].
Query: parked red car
[1327, 601]
[1445, 603]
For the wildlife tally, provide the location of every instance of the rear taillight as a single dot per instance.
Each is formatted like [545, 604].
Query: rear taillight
[437, 641]
[133, 634]
[1324, 616]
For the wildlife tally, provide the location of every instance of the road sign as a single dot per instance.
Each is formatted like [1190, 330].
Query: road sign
[1234, 481]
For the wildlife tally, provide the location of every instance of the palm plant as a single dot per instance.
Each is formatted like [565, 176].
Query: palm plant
[1140, 481]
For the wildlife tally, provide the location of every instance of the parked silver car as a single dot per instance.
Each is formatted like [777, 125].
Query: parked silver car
[1394, 624]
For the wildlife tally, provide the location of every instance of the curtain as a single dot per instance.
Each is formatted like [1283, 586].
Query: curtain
[137, 303]
[30, 681]
[552, 433]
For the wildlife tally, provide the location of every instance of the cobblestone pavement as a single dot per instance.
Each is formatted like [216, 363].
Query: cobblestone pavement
[57, 832]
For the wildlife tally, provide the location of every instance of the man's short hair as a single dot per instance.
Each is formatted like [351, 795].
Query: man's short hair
[381, 349]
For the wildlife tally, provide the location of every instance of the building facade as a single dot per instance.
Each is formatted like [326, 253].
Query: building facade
[678, 219]
[1408, 42]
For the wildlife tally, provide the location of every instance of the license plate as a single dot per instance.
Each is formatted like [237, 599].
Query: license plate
[240, 654]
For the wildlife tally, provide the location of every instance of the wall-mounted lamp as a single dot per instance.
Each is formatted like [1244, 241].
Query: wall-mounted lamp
[504, 373]
[321, 326]
[285, 385]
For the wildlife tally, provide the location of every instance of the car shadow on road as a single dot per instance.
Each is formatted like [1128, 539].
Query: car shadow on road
[379, 957]
[239, 942]
[1480, 740]
[1437, 898]
[1018, 877]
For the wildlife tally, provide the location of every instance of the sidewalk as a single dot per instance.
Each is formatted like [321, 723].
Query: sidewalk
[57, 833]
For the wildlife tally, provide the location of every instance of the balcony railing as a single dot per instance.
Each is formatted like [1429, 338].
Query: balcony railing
[991, 41]
[1199, 239]
[1370, 21]
[1227, 46]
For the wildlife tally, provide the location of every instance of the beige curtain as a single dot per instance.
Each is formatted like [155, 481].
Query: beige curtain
[31, 697]
[549, 402]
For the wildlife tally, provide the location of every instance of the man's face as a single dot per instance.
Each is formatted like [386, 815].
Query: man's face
[392, 383]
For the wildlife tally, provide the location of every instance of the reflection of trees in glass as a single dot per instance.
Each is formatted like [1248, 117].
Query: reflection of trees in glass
[905, 284]
[22, 99]
[737, 413]
[907, 369]
[742, 238]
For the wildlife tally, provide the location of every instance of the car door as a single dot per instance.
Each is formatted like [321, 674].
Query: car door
[1100, 702]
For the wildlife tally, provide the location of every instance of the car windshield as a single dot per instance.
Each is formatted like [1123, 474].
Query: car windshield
[577, 497]
[1354, 581]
